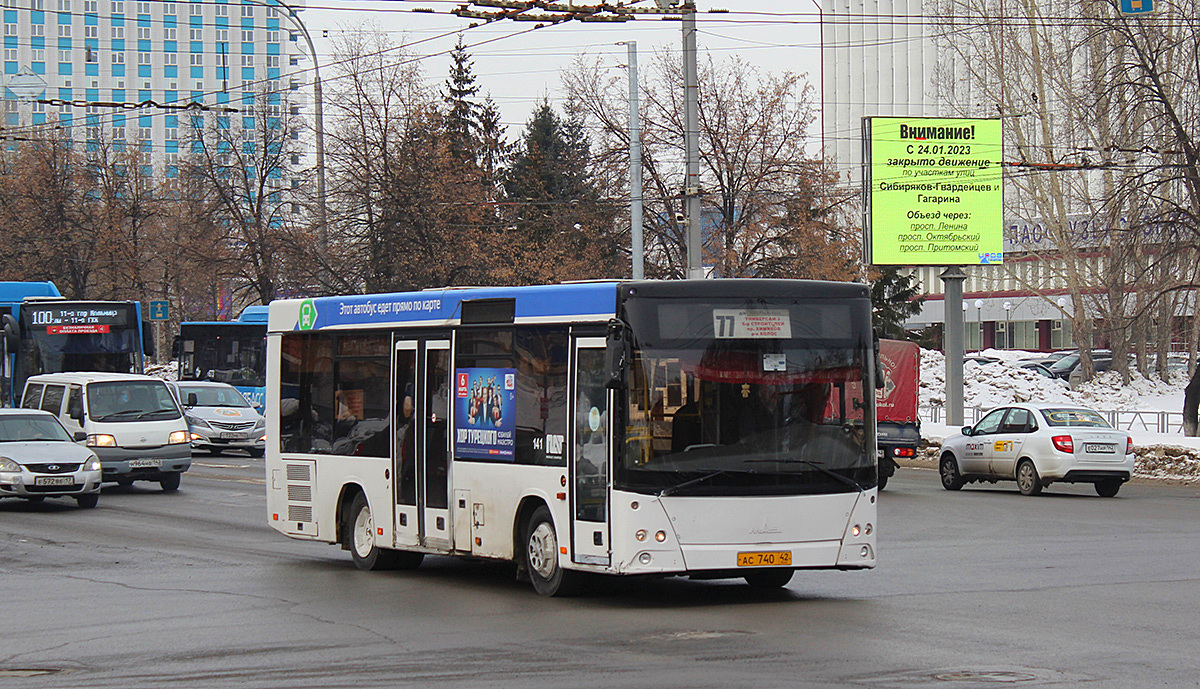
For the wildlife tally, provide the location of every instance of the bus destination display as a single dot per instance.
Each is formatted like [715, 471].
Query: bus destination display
[76, 320]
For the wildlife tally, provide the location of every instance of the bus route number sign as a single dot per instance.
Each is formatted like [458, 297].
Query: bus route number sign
[752, 324]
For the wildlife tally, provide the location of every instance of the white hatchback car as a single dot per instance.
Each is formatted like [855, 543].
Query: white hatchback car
[1039, 444]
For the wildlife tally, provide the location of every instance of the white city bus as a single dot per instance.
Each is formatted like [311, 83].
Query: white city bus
[710, 429]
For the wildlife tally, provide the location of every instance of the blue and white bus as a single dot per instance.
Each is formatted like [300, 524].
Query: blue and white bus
[45, 333]
[231, 352]
[707, 428]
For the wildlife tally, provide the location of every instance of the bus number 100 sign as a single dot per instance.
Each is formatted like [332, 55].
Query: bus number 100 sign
[752, 324]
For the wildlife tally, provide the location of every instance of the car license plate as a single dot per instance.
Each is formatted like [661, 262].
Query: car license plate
[53, 481]
[144, 463]
[1100, 448]
[233, 436]
[777, 558]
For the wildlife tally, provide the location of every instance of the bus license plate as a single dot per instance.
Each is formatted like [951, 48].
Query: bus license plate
[1100, 448]
[778, 558]
[144, 463]
[53, 481]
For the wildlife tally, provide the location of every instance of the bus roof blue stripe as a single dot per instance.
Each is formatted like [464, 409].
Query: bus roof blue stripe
[535, 301]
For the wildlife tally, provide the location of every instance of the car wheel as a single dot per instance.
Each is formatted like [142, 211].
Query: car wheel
[769, 578]
[360, 531]
[541, 558]
[170, 482]
[1028, 481]
[1108, 487]
[948, 468]
[257, 453]
[88, 501]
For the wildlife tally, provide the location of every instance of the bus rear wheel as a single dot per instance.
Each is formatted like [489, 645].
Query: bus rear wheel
[541, 558]
[360, 537]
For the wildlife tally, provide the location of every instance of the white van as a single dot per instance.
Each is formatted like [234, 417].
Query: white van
[132, 422]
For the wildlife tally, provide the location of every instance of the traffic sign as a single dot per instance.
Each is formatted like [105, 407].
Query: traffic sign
[1137, 6]
[159, 310]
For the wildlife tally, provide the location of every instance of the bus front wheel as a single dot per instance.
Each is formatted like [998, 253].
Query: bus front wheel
[541, 557]
[360, 536]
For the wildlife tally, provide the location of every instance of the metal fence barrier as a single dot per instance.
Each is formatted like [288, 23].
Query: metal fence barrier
[1162, 422]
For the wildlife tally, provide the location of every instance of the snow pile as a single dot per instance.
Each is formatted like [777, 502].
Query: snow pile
[991, 385]
[167, 371]
[1168, 462]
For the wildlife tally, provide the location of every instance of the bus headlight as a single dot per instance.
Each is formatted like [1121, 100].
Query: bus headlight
[101, 440]
[177, 437]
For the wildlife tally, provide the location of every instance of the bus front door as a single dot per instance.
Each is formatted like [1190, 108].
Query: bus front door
[421, 446]
[589, 443]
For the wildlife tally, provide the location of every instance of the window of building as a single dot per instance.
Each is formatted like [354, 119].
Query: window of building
[169, 33]
[37, 5]
[272, 61]
[143, 8]
[247, 35]
[37, 55]
[197, 9]
[10, 29]
[272, 37]
[118, 132]
[143, 33]
[118, 58]
[92, 6]
[222, 10]
[10, 54]
[169, 7]
[170, 59]
[64, 5]
[91, 32]
[64, 56]
[197, 59]
[196, 34]
[247, 60]
[64, 30]
[247, 10]
[37, 29]
[118, 32]
[118, 7]
[143, 58]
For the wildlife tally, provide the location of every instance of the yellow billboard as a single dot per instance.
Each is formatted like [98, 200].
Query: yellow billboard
[933, 191]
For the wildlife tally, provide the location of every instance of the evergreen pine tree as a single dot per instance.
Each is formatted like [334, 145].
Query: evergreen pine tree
[463, 124]
[894, 298]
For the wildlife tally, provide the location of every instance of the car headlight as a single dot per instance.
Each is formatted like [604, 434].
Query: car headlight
[198, 422]
[92, 464]
[178, 437]
[101, 440]
[8, 466]
[262, 423]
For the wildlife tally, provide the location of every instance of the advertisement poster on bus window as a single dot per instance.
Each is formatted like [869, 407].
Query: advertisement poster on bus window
[485, 413]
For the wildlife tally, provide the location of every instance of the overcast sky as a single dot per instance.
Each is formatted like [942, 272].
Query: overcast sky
[519, 71]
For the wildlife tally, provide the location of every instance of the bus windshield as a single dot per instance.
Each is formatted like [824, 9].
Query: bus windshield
[224, 352]
[749, 398]
[79, 336]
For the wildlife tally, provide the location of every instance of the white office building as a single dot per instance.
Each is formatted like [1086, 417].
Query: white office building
[88, 53]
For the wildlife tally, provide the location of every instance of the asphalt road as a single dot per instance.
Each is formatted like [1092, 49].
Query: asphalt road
[974, 588]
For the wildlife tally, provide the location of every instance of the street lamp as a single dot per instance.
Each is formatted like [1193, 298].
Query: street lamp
[979, 321]
[965, 319]
[319, 126]
[1008, 338]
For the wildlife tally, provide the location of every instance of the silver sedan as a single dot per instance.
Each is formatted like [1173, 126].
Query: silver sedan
[1036, 445]
[39, 460]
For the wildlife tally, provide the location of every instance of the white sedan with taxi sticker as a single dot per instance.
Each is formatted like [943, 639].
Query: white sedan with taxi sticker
[1037, 445]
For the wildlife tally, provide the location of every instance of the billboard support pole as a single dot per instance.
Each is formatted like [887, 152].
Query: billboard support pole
[953, 278]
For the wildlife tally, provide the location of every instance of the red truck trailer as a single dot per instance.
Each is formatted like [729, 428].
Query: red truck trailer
[899, 429]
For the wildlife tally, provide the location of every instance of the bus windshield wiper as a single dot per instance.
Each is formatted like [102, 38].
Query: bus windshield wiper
[155, 411]
[691, 482]
[126, 412]
[819, 467]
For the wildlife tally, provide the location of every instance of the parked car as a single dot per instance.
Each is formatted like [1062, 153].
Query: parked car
[1037, 445]
[981, 360]
[1064, 366]
[39, 459]
[1039, 368]
[220, 418]
[131, 421]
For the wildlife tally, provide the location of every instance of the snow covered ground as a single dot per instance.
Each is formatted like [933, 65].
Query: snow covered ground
[1165, 456]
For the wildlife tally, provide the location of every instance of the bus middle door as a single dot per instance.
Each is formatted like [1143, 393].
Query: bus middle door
[422, 441]
[589, 445]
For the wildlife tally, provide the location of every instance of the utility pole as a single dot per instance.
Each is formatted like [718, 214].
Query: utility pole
[691, 136]
[635, 167]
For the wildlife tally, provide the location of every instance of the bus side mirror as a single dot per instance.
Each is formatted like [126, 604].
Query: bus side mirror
[12, 342]
[191, 399]
[616, 354]
[147, 339]
[879, 379]
[175, 347]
